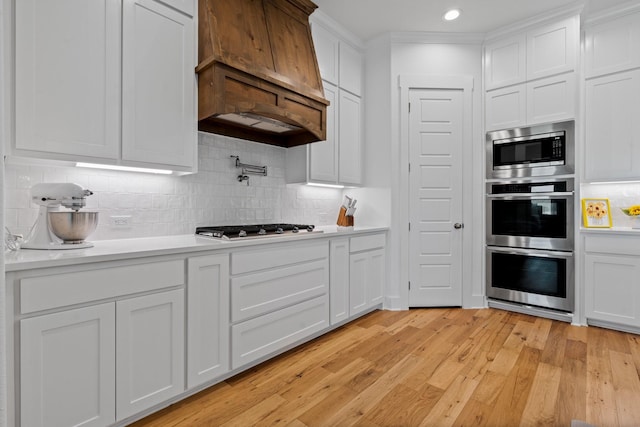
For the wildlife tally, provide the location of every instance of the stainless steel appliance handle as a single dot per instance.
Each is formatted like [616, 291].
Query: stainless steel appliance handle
[529, 195]
[537, 252]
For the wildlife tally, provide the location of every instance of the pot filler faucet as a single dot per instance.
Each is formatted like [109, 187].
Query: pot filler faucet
[247, 169]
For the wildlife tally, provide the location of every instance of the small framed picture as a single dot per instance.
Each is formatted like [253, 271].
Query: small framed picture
[596, 213]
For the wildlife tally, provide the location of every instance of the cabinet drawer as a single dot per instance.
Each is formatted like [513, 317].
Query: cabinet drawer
[622, 245]
[256, 294]
[365, 243]
[270, 257]
[267, 334]
[59, 290]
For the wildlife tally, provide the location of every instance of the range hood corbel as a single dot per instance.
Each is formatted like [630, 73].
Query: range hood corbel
[258, 77]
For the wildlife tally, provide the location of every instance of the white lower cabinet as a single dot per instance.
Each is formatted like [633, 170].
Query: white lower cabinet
[612, 290]
[149, 351]
[367, 272]
[207, 318]
[98, 343]
[92, 366]
[339, 280]
[67, 368]
[275, 331]
[279, 296]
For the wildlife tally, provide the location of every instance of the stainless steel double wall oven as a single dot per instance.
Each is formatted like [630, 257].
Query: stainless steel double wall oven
[530, 215]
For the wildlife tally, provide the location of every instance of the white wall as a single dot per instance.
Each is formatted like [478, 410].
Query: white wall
[3, 363]
[168, 205]
[437, 55]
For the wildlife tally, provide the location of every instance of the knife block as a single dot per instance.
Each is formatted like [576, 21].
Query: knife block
[344, 220]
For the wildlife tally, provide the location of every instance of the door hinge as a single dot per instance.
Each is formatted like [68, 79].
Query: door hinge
[409, 107]
[409, 285]
[409, 167]
[409, 226]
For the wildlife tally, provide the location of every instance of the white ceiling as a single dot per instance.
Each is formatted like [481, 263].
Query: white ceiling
[369, 18]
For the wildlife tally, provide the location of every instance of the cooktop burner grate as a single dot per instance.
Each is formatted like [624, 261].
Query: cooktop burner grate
[252, 230]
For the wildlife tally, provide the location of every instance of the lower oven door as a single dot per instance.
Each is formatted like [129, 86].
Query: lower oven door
[531, 221]
[535, 277]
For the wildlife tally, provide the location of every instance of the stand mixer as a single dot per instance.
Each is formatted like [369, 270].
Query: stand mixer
[50, 196]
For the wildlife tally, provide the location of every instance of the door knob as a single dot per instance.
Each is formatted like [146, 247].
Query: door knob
[458, 225]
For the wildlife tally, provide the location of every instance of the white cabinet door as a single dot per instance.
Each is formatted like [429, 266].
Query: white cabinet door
[67, 368]
[612, 46]
[350, 69]
[274, 332]
[158, 110]
[506, 108]
[612, 127]
[323, 155]
[612, 291]
[68, 77]
[327, 47]
[358, 265]
[207, 318]
[350, 136]
[505, 62]
[150, 351]
[376, 279]
[366, 279]
[551, 99]
[553, 49]
[339, 280]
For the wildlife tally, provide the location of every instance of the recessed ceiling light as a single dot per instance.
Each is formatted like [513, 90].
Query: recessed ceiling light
[452, 14]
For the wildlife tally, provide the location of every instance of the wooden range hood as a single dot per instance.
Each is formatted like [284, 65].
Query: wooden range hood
[258, 77]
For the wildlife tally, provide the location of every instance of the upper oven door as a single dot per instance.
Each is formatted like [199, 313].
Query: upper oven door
[531, 220]
[533, 151]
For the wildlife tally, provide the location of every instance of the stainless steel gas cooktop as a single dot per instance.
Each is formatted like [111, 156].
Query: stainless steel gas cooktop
[229, 232]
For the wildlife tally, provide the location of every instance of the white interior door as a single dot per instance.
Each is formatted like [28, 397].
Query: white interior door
[436, 123]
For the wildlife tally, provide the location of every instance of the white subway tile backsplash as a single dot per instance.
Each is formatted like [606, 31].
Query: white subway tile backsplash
[166, 205]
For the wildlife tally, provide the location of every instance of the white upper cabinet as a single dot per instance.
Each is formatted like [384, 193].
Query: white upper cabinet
[323, 155]
[537, 53]
[505, 62]
[612, 46]
[350, 131]
[327, 52]
[67, 74]
[158, 109]
[551, 99]
[530, 76]
[350, 69]
[612, 104]
[553, 49]
[506, 107]
[338, 159]
[106, 81]
[612, 136]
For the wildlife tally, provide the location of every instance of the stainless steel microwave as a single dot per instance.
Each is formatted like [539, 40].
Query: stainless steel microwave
[541, 150]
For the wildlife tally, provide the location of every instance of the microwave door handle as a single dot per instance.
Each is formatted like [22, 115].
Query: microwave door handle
[537, 252]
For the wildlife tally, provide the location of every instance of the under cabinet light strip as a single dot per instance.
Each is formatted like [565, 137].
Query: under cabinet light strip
[316, 184]
[123, 168]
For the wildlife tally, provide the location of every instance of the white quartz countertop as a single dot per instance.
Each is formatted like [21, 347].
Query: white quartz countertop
[120, 249]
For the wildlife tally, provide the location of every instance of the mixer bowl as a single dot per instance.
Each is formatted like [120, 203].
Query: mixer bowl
[73, 227]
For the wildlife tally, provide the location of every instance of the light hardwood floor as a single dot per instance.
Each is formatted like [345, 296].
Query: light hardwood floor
[433, 367]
